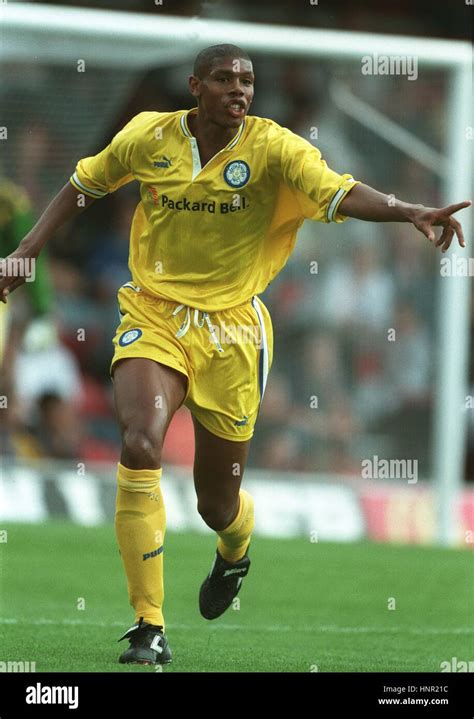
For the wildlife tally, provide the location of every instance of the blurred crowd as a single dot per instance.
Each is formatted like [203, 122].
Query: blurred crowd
[354, 311]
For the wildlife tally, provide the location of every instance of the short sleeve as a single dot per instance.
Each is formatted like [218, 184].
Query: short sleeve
[111, 168]
[320, 190]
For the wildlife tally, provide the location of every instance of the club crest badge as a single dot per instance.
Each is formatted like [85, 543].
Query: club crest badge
[237, 173]
[129, 336]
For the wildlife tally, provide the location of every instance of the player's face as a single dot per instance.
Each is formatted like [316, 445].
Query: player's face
[225, 94]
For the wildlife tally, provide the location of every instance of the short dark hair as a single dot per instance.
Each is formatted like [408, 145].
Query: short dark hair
[206, 57]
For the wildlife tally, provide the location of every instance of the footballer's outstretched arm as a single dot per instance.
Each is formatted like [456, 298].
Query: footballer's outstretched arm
[65, 206]
[365, 203]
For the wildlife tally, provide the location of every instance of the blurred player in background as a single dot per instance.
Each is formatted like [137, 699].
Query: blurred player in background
[16, 220]
[223, 194]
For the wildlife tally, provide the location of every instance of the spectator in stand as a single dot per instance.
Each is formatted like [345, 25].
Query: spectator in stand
[409, 374]
[62, 433]
[359, 292]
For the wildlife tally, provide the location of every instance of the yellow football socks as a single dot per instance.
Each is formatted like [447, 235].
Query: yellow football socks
[140, 525]
[234, 539]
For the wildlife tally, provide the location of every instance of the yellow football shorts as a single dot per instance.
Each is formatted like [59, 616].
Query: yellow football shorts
[226, 355]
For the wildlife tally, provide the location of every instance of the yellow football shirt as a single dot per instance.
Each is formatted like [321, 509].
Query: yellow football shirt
[212, 237]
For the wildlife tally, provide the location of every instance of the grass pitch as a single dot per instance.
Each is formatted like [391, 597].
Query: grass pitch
[304, 606]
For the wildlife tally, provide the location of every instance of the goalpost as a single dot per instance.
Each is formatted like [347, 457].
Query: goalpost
[112, 40]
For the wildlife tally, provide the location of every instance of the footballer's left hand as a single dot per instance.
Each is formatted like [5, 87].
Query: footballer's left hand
[425, 218]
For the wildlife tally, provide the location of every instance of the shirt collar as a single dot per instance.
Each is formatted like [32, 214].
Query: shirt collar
[187, 132]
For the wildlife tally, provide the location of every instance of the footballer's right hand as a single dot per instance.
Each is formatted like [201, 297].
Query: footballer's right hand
[15, 269]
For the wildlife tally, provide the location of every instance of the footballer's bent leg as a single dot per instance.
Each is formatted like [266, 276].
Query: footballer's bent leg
[147, 394]
[228, 509]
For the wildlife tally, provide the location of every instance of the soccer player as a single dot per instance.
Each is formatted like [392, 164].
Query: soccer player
[223, 194]
[16, 219]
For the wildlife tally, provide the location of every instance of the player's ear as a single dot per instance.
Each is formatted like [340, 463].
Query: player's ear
[194, 86]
